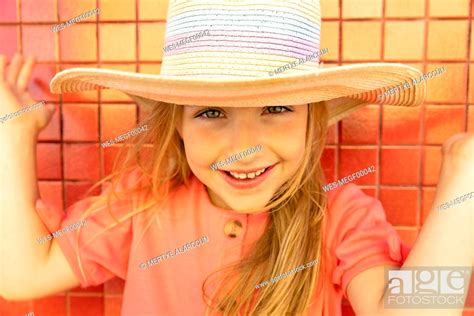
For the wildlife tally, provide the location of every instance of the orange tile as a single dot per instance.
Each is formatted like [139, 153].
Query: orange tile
[329, 9]
[408, 235]
[472, 40]
[330, 40]
[354, 159]
[150, 68]
[401, 125]
[447, 40]
[471, 84]
[116, 119]
[117, 42]
[451, 8]
[401, 205]
[441, 122]
[366, 9]
[403, 40]
[112, 94]
[152, 9]
[32, 11]
[431, 165]
[362, 126]
[151, 37]
[39, 41]
[399, 166]
[68, 11]
[404, 8]
[72, 41]
[470, 119]
[361, 40]
[113, 10]
[449, 86]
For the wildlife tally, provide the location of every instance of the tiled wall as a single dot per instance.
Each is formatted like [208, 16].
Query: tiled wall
[403, 144]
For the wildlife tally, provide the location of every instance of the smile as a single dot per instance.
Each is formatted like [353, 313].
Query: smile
[246, 179]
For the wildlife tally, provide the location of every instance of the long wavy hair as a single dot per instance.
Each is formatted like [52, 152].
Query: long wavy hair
[292, 237]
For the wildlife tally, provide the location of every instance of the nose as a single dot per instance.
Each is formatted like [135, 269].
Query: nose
[246, 136]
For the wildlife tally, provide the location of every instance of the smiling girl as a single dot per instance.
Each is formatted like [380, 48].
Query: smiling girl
[256, 236]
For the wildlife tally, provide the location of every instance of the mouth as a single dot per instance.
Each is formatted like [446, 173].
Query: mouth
[244, 179]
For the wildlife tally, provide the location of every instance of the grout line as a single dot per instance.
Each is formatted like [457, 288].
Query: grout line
[337, 152]
[421, 135]
[378, 161]
[468, 68]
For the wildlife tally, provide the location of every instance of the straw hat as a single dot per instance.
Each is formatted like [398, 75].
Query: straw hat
[244, 53]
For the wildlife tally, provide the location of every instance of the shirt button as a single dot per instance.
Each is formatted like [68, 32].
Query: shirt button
[233, 228]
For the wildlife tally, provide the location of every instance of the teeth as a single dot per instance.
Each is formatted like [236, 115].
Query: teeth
[250, 175]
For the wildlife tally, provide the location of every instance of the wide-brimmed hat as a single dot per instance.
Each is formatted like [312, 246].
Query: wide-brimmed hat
[245, 53]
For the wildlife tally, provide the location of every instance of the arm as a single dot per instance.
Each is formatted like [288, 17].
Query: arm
[27, 269]
[446, 238]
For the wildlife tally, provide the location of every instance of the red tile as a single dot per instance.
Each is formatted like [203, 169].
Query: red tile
[53, 130]
[370, 192]
[355, 159]
[81, 122]
[116, 120]
[441, 122]
[431, 165]
[39, 83]
[81, 161]
[401, 125]
[51, 193]
[72, 41]
[113, 306]
[8, 11]
[53, 305]
[470, 119]
[362, 126]
[32, 12]
[76, 191]
[86, 306]
[114, 286]
[110, 155]
[408, 235]
[48, 161]
[401, 205]
[38, 40]
[427, 198]
[400, 166]
[8, 308]
[99, 289]
[9, 40]
[328, 162]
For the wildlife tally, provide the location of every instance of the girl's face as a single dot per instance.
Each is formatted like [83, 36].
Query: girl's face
[212, 134]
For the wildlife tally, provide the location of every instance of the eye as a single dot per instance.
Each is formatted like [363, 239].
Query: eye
[277, 109]
[210, 113]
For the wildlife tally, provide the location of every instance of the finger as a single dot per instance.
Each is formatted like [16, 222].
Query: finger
[14, 69]
[3, 63]
[25, 74]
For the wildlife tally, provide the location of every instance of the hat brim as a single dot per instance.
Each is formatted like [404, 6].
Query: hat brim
[344, 88]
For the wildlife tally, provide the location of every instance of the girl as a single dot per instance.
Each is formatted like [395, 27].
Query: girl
[257, 236]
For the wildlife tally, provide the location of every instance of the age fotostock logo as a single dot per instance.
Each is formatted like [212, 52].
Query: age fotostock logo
[427, 287]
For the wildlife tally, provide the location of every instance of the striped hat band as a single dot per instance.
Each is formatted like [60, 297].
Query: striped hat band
[237, 39]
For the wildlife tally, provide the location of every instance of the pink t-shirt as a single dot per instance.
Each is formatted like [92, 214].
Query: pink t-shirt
[356, 237]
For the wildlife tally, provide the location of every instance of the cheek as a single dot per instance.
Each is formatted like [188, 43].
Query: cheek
[200, 145]
[289, 139]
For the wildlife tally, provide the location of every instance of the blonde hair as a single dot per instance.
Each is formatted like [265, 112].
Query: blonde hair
[292, 236]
